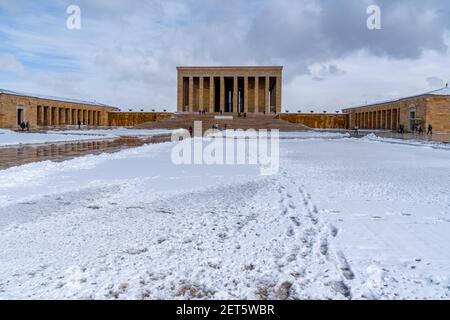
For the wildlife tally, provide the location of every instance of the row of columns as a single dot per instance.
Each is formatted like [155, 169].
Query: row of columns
[212, 103]
[379, 119]
[55, 116]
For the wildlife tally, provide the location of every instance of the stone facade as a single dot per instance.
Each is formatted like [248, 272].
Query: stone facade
[419, 110]
[131, 119]
[229, 89]
[49, 112]
[318, 121]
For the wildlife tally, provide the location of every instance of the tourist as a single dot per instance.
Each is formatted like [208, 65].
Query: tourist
[22, 125]
[190, 131]
[79, 124]
[402, 129]
[430, 130]
[27, 125]
[420, 130]
[356, 129]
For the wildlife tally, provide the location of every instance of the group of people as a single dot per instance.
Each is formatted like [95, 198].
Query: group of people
[214, 127]
[25, 125]
[417, 129]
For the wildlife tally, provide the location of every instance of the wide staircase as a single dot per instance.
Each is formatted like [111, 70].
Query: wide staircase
[252, 121]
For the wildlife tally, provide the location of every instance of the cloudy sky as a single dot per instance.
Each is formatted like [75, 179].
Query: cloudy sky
[126, 52]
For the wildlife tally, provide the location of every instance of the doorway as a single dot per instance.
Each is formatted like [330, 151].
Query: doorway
[20, 116]
[412, 120]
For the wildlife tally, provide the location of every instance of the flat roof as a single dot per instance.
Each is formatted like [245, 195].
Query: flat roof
[52, 98]
[230, 67]
[439, 92]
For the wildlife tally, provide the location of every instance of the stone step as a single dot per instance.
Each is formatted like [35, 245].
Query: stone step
[252, 121]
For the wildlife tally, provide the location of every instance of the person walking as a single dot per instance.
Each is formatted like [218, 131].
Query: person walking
[79, 124]
[27, 125]
[356, 129]
[430, 130]
[22, 126]
[190, 131]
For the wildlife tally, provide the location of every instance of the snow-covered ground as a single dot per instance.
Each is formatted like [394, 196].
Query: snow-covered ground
[117, 132]
[21, 138]
[344, 218]
[11, 138]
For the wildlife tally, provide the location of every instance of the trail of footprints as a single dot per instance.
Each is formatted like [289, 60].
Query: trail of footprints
[313, 236]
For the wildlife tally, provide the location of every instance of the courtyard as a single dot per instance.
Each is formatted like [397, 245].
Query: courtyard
[344, 218]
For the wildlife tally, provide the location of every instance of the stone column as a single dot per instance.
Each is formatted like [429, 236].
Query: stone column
[201, 93]
[63, 117]
[235, 93]
[278, 85]
[256, 94]
[386, 122]
[222, 94]
[391, 112]
[191, 94]
[41, 120]
[212, 106]
[180, 93]
[267, 95]
[246, 94]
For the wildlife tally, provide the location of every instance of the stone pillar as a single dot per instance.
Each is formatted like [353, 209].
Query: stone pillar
[42, 116]
[56, 117]
[64, 120]
[386, 126]
[180, 93]
[246, 94]
[278, 85]
[222, 94]
[235, 94]
[201, 93]
[391, 112]
[191, 94]
[212, 106]
[256, 94]
[375, 119]
[267, 95]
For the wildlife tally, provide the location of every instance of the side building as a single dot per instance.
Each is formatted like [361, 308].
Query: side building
[424, 109]
[45, 111]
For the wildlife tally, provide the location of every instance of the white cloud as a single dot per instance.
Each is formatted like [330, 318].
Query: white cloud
[126, 52]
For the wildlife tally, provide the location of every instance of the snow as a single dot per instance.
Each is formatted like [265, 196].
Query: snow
[11, 138]
[282, 135]
[344, 218]
[410, 142]
[118, 132]
[24, 138]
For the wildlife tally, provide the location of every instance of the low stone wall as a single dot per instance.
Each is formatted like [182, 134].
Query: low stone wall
[131, 119]
[318, 121]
